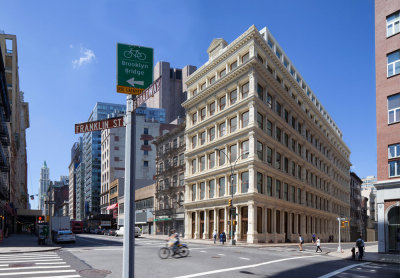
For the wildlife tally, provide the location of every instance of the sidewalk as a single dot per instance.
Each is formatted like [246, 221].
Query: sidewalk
[370, 255]
[21, 243]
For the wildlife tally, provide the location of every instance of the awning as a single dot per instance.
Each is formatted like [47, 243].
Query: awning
[112, 206]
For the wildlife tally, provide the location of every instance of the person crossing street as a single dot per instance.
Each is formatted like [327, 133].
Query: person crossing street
[318, 245]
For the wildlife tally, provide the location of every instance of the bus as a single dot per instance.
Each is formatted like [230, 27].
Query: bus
[76, 226]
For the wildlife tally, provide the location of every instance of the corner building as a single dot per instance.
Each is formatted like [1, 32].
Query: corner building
[290, 165]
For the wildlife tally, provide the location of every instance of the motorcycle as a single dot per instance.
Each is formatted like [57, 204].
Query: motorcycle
[182, 250]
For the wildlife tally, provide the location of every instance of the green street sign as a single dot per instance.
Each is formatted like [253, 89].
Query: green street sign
[134, 68]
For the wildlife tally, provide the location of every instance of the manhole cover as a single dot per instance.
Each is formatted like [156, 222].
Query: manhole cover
[21, 265]
[94, 272]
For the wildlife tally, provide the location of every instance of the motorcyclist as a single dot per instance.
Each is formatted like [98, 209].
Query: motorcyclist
[174, 237]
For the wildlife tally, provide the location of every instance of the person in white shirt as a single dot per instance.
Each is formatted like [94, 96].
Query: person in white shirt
[318, 245]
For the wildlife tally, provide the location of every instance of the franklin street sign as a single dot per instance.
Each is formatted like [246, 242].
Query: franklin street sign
[99, 125]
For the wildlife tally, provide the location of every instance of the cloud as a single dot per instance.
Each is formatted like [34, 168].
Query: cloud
[71, 46]
[87, 56]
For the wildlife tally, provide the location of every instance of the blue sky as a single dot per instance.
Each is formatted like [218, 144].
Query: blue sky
[67, 59]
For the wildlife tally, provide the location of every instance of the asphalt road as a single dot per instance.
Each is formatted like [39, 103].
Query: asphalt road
[101, 256]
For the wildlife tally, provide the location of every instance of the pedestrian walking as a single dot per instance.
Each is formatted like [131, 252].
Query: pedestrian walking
[361, 246]
[313, 238]
[318, 245]
[301, 241]
[215, 236]
[222, 237]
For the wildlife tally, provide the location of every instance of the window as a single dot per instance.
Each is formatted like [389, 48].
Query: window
[233, 124]
[298, 195]
[222, 73]
[293, 122]
[260, 120]
[222, 103]
[194, 118]
[393, 63]
[278, 53]
[245, 149]
[286, 114]
[286, 191]
[292, 194]
[286, 139]
[221, 183]
[269, 128]
[175, 143]
[245, 57]
[145, 163]
[260, 58]
[278, 161]
[394, 151]
[221, 157]
[233, 152]
[145, 152]
[116, 138]
[394, 168]
[146, 142]
[233, 97]
[212, 108]
[174, 181]
[212, 133]
[260, 188]
[202, 190]
[212, 80]
[393, 24]
[193, 192]
[211, 160]
[278, 134]
[245, 90]
[203, 86]
[260, 92]
[202, 138]
[278, 189]
[193, 166]
[245, 119]
[260, 151]
[278, 109]
[202, 163]
[269, 155]
[181, 159]
[202, 114]
[269, 186]
[394, 108]
[146, 130]
[222, 129]
[286, 164]
[211, 188]
[175, 161]
[233, 65]
[194, 141]
[181, 180]
[245, 182]
[269, 101]
[194, 92]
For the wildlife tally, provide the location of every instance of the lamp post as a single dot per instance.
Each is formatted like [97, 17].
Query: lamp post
[231, 203]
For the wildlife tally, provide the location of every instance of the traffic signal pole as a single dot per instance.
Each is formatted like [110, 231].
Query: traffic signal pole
[129, 215]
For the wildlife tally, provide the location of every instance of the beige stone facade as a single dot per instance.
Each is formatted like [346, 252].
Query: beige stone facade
[249, 105]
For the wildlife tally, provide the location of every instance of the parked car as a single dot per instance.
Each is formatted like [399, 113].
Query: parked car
[110, 232]
[120, 231]
[64, 236]
[138, 231]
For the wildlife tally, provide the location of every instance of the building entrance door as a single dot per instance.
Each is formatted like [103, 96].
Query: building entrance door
[211, 224]
[244, 223]
[394, 229]
[201, 224]
[285, 215]
[193, 223]
[221, 226]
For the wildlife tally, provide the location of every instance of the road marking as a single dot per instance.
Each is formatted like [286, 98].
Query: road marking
[241, 267]
[203, 251]
[221, 254]
[64, 276]
[24, 261]
[36, 272]
[51, 263]
[341, 270]
[33, 267]
[247, 259]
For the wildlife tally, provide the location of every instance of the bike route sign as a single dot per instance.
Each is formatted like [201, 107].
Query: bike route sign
[134, 68]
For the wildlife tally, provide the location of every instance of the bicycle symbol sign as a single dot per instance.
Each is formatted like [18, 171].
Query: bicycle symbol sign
[134, 68]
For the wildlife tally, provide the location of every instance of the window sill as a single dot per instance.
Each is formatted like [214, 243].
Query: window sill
[393, 75]
[387, 37]
[398, 122]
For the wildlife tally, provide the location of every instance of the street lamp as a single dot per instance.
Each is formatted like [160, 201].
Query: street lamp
[230, 203]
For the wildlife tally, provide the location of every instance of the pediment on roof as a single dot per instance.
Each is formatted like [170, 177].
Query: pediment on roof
[215, 46]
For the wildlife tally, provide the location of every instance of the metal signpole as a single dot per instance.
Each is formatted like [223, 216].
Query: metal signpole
[129, 215]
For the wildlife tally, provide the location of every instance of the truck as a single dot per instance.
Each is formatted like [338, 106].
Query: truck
[59, 223]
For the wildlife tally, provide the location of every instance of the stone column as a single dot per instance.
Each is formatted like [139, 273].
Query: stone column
[196, 225]
[188, 224]
[252, 180]
[216, 221]
[206, 224]
[252, 223]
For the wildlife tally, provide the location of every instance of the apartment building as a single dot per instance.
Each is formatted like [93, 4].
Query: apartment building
[5, 114]
[357, 224]
[173, 90]
[170, 189]
[76, 159]
[19, 122]
[387, 70]
[257, 132]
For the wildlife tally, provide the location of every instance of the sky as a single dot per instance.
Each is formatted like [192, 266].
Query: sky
[67, 59]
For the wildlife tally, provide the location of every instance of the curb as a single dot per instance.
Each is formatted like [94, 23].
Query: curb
[31, 251]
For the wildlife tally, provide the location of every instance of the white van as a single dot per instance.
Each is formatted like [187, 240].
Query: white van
[121, 230]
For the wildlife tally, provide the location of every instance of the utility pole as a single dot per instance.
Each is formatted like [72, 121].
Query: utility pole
[128, 269]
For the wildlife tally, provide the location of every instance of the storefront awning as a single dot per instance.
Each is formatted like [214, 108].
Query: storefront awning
[112, 206]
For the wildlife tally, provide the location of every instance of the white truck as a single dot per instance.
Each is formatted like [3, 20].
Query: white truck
[59, 223]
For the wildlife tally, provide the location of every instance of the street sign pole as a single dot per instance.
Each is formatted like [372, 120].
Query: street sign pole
[129, 217]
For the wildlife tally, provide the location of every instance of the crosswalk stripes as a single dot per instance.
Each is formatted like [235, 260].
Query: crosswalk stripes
[35, 265]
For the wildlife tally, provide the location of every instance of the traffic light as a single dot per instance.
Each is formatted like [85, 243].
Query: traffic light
[230, 202]
[344, 223]
[40, 218]
[234, 222]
